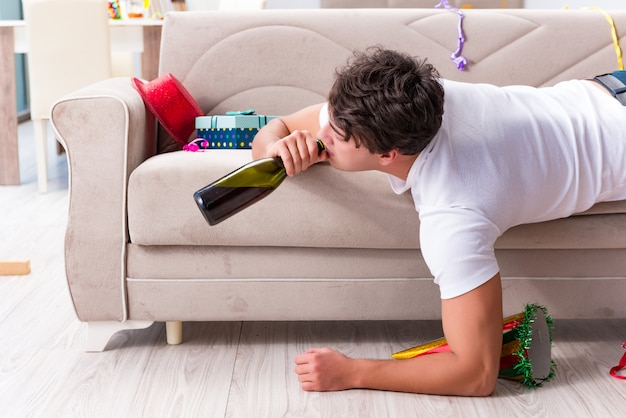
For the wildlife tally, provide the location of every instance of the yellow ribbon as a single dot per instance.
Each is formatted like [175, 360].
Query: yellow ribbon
[618, 49]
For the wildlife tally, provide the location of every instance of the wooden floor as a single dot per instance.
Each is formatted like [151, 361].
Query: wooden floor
[231, 369]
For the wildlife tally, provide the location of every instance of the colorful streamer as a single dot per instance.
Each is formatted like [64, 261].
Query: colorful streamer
[456, 56]
[516, 361]
[114, 10]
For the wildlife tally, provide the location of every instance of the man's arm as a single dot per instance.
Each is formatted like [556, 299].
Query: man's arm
[292, 138]
[473, 328]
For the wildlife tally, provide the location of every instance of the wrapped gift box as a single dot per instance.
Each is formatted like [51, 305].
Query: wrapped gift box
[234, 130]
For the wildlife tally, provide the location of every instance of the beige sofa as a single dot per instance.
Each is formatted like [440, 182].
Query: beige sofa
[327, 245]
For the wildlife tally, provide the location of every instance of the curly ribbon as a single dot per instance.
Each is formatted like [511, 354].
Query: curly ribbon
[620, 366]
[618, 49]
[197, 145]
[456, 56]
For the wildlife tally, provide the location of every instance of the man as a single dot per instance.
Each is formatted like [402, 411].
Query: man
[477, 163]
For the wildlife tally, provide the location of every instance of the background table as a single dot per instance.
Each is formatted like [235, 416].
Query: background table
[130, 35]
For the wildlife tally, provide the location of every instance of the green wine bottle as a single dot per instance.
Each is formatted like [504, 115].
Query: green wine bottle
[243, 187]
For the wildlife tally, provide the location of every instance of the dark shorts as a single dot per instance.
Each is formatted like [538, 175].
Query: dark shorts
[615, 83]
[620, 75]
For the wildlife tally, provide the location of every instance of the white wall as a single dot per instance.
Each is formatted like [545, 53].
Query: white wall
[575, 4]
[292, 4]
[528, 4]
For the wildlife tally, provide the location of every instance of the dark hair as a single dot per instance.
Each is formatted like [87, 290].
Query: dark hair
[387, 100]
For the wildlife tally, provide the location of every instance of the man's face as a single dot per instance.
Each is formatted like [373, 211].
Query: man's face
[345, 155]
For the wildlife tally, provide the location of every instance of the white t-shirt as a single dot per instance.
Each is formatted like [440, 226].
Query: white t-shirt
[509, 156]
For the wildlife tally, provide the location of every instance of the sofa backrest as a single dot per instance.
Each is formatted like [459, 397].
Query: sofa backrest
[277, 61]
[475, 4]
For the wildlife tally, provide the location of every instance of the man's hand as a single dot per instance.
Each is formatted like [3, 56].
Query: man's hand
[323, 369]
[473, 328]
[292, 138]
[298, 151]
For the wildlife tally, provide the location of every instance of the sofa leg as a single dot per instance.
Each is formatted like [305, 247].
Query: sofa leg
[174, 332]
[100, 332]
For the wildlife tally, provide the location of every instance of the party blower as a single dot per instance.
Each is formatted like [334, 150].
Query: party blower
[243, 187]
[526, 347]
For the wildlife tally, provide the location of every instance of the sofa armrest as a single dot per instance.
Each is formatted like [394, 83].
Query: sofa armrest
[106, 132]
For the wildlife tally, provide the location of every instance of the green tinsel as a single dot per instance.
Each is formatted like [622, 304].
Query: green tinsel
[523, 333]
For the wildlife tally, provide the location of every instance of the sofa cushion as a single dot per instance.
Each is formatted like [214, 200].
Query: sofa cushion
[162, 211]
[356, 210]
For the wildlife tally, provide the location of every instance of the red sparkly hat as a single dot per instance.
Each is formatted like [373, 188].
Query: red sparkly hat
[171, 103]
